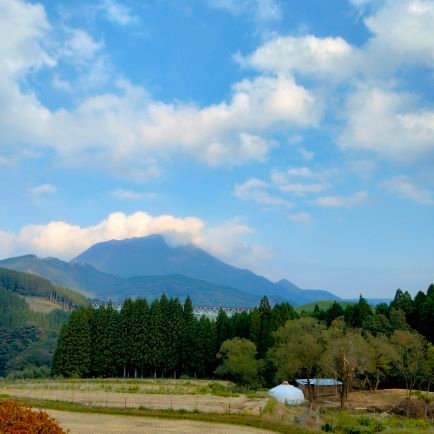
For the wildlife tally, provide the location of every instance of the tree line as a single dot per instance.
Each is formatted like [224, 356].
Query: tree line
[163, 338]
[361, 345]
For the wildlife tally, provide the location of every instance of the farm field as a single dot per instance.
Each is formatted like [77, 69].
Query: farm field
[79, 423]
[189, 395]
[167, 405]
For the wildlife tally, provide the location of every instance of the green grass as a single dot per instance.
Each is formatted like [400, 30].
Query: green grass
[233, 419]
[347, 422]
[322, 304]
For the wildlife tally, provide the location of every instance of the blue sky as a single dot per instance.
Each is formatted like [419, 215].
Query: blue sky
[292, 138]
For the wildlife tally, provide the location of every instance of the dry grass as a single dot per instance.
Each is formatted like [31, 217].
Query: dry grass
[101, 423]
[39, 304]
[152, 394]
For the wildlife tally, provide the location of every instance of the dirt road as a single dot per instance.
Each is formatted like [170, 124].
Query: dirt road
[84, 423]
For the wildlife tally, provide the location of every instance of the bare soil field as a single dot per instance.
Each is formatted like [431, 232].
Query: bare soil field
[82, 423]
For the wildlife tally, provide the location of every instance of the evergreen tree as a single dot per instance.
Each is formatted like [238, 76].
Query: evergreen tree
[265, 331]
[157, 333]
[222, 328]
[73, 358]
[187, 349]
[125, 336]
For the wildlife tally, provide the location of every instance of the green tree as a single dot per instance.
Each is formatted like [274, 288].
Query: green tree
[410, 349]
[187, 349]
[73, 353]
[381, 357]
[125, 336]
[239, 364]
[297, 350]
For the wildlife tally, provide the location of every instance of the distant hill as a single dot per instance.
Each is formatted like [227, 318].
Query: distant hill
[28, 284]
[28, 337]
[78, 277]
[306, 295]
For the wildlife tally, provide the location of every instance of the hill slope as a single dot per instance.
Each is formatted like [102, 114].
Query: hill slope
[27, 338]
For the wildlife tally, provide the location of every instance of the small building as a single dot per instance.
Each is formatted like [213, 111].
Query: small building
[319, 387]
[287, 394]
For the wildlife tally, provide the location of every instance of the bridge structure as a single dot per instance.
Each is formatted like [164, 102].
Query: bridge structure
[198, 311]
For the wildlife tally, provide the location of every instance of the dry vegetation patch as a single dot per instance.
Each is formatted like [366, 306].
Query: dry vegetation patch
[208, 397]
[91, 423]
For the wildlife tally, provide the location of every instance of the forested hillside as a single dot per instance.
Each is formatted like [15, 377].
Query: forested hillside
[28, 338]
[391, 344]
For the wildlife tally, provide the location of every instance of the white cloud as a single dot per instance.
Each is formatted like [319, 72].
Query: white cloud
[306, 54]
[260, 10]
[402, 187]
[129, 129]
[117, 12]
[126, 128]
[80, 46]
[226, 241]
[363, 168]
[403, 33]
[388, 123]
[379, 118]
[26, 27]
[288, 181]
[301, 217]
[126, 194]
[65, 240]
[42, 191]
[306, 154]
[256, 191]
[341, 201]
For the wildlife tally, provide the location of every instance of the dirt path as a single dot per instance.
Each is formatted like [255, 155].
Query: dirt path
[84, 423]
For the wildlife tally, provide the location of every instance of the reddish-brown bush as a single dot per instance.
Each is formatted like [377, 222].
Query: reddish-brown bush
[18, 419]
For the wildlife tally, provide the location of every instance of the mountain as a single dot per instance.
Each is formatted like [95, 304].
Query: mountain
[96, 284]
[202, 293]
[149, 266]
[152, 255]
[306, 295]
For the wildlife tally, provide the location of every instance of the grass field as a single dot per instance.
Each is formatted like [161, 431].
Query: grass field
[165, 405]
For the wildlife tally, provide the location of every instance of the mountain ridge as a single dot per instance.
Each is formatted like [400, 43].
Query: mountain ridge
[148, 266]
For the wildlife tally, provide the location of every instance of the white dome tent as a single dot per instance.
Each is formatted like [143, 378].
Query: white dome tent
[287, 394]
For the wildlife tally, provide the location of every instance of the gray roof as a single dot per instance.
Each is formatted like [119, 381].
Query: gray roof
[319, 382]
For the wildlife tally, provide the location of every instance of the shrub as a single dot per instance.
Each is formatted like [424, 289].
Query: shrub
[18, 419]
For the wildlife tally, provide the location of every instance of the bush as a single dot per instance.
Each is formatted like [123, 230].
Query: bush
[30, 373]
[18, 419]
